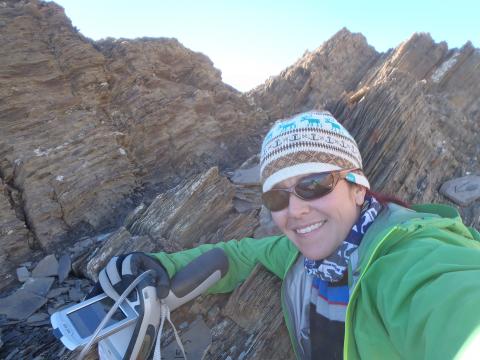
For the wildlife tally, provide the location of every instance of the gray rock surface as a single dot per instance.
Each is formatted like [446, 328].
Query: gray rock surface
[22, 274]
[64, 267]
[21, 304]
[54, 293]
[462, 191]
[38, 317]
[48, 266]
[75, 295]
[250, 176]
[196, 340]
[38, 285]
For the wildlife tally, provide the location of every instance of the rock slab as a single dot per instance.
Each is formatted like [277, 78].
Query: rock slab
[48, 266]
[462, 191]
[21, 304]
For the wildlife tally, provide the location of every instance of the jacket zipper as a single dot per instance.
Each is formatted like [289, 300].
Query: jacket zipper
[354, 292]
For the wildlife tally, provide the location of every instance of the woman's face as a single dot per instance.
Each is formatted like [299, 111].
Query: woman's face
[318, 227]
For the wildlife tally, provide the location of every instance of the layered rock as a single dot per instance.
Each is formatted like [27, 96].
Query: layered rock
[88, 127]
[413, 131]
[197, 211]
[55, 150]
[176, 114]
[14, 235]
[319, 77]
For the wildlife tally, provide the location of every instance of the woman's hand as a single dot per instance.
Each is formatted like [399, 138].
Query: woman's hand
[122, 270]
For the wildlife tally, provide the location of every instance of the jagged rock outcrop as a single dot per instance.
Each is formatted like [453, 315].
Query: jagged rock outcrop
[319, 77]
[86, 127]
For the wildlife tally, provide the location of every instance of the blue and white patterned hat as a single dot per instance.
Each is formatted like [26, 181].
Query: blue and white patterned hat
[309, 142]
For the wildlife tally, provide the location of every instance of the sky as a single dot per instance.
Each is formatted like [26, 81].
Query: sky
[251, 40]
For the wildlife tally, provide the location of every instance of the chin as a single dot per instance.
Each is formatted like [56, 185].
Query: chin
[313, 254]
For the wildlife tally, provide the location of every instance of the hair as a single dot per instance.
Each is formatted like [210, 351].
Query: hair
[386, 198]
[382, 198]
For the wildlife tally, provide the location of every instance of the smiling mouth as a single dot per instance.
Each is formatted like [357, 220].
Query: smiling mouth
[310, 228]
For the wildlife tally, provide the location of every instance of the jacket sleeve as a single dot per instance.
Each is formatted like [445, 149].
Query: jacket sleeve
[423, 297]
[275, 253]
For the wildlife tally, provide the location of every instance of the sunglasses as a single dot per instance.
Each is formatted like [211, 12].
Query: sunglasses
[309, 187]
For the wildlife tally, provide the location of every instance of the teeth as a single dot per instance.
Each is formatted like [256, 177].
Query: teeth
[310, 228]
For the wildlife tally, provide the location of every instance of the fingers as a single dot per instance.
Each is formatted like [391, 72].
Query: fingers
[110, 279]
[140, 262]
[122, 270]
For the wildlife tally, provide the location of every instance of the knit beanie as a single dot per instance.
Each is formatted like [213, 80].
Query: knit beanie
[309, 142]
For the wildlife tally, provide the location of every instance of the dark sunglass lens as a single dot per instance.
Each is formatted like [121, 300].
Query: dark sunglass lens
[275, 200]
[314, 186]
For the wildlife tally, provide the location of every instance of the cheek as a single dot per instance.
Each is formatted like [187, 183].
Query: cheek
[280, 219]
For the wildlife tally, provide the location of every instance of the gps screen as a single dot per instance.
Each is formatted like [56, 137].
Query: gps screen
[87, 319]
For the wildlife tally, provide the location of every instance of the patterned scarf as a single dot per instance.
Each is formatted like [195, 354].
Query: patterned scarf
[333, 267]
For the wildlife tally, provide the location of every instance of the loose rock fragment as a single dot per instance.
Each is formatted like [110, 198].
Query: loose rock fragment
[57, 292]
[75, 294]
[48, 266]
[38, 317]
[462, 191]
[21, 304]
[64, 267]
[40, 285]
[23, 274]
[250, 176]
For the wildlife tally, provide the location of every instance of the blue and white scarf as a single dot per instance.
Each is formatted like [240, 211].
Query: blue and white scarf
[332, 268]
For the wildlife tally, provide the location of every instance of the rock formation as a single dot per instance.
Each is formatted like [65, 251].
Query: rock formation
[118, 145]
[88, 128]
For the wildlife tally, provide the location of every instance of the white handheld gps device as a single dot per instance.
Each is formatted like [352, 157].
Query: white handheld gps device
[75, 325]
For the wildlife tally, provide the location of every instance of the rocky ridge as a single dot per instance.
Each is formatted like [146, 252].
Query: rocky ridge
[89, 128]
[103, 151]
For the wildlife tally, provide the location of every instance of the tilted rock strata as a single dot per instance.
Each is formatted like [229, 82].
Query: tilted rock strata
[318, 78]
[412, 131]
[54, 148]
[85, 126]
[15, 237]
[176, 114]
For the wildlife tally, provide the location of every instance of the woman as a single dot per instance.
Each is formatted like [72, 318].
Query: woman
[362, 278]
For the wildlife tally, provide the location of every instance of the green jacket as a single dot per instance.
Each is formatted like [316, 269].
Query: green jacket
[414, 284]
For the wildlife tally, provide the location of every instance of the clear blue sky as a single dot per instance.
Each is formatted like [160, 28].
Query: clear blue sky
[250, 40]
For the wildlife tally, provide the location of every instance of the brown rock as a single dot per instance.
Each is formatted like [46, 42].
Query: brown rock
[87, 123]
[14, 238]
[54, 148]
[187, 212]
[318, 77]
[255, 306]
[120, 242]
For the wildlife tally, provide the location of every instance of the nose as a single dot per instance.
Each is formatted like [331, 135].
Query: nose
[297, 207]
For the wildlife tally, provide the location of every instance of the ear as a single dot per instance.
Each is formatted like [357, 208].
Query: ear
[359, 194]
